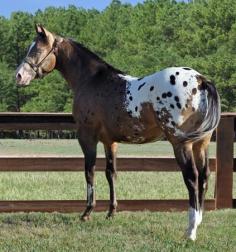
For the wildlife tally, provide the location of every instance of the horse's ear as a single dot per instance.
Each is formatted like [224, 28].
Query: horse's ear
[40, 30]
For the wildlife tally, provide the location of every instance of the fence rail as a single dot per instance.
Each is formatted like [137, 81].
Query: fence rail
[54, 163]
[224, 165]
[65, 206]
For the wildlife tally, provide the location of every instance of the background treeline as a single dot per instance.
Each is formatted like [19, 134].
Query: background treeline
[137, 39]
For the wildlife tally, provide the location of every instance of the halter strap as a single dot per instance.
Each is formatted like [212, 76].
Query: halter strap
[35, 67]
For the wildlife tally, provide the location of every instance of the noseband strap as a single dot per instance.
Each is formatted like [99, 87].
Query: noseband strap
[35, 67]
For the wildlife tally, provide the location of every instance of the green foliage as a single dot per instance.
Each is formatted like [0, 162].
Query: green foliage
[8, 91]
[137, 39]
[47, 95]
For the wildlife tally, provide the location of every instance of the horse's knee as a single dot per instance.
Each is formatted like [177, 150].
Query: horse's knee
[110, 173]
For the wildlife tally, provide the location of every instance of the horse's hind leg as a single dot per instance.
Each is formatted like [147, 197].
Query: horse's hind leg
[185, 158]
[200, 151]
[89, 147]
[110, 151]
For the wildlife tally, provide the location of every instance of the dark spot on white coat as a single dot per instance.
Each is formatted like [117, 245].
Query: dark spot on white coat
[185, 83]
[178, 105]
[164, 95]
[141, 85]
[172, 79]
[169, 94]
[176, 98]
[194, 91]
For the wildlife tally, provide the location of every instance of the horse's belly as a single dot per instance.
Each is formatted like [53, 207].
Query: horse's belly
[139, 130]
[140, 137]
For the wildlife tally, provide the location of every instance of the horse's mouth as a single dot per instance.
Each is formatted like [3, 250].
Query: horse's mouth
[22, 83]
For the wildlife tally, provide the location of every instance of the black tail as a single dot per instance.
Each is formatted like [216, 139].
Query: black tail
[213, 112]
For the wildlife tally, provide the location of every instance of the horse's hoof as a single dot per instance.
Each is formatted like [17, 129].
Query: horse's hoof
[111, 213]
[85, 218]
[110, 216]
[192, 238]
[191, 235]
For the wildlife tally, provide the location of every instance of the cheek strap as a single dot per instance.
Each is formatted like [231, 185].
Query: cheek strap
[35, 67]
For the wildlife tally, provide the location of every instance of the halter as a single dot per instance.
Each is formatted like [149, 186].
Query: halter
[35, 67]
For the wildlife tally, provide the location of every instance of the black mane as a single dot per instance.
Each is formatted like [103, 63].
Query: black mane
[94, 56]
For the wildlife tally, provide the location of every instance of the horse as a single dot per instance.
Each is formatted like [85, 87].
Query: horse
[177, 103]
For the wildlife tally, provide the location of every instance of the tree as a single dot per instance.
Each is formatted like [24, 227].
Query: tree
[137, 39]
[8, 89]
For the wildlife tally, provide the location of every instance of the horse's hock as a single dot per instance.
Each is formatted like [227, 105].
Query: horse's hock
[224, 165]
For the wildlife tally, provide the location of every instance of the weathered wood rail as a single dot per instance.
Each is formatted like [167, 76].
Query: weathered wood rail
[223, 165]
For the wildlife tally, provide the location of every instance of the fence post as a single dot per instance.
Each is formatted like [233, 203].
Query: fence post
[224, 163]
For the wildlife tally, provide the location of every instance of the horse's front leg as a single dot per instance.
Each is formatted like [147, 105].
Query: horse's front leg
[110, 151]
[185, 158]
[89, 147]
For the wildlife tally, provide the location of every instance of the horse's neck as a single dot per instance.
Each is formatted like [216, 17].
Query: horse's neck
[70, 64]
[78, 67]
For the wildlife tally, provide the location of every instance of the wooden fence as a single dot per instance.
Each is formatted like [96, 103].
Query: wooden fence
[224, 166]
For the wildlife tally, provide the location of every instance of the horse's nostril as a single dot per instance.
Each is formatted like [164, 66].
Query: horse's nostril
[18, 77]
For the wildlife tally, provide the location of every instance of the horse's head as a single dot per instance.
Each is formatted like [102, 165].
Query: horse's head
[40, 59]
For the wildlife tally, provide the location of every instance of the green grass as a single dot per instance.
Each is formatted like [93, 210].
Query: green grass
[71, 185]
[139, 231]
[126, 232]
[66, 185]
[72, 148]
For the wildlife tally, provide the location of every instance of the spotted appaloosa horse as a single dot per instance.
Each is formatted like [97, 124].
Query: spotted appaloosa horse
[109, 106]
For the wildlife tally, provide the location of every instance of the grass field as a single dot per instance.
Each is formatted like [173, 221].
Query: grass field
[72, 148]
[140, 231]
